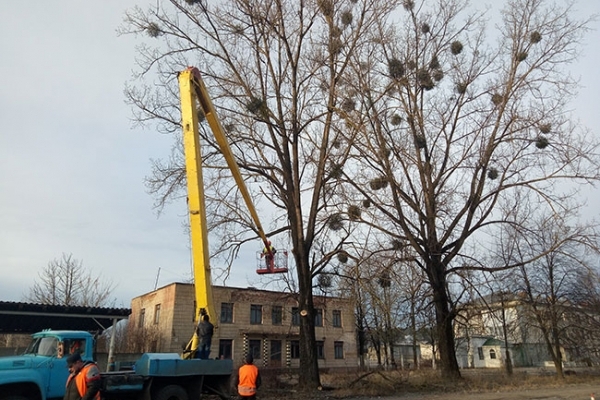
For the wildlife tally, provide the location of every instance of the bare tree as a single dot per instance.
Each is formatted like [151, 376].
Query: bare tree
[449, 134]
[550, 283]
[585, 339]
[66, 282]
[390, 298]
[274, 70]
[440, 134]
[507, 325]
[416, 296]
[382, 290]
[494, 309]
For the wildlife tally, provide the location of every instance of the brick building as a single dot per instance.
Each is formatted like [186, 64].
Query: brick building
[261, 321]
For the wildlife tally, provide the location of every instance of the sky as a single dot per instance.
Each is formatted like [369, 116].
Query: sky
[72, 168]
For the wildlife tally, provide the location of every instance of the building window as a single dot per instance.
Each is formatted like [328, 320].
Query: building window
[255, 314]
[480, 352]
[254, 348]
[142, 318]
[318, 317]
[275, 350]
[295, 348]
[295, 316]
[338, 350]
[277, 315]
[227, 313]
[337, 319]
[156, 313]
[225, 348]
[320, 349]
[492, 354]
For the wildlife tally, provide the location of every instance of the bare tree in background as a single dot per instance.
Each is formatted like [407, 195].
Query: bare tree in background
[66, 282]
[550, 282]
[382, 291]
[416, 296]
[449, 133]
[587, 299]
[495, 308]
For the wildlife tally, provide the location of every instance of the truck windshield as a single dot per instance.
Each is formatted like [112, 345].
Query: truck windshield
[45, 346]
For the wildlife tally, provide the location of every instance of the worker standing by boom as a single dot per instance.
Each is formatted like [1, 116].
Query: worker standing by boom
[205, 331]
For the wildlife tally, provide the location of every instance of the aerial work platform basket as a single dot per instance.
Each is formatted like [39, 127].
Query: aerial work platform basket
[275, 264]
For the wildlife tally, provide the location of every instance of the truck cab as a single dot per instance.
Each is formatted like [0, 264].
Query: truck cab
[41, 372]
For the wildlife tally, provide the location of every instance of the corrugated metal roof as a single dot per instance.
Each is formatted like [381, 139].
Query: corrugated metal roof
[30, 317]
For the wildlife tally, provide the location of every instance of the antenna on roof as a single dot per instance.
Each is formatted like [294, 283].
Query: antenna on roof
[157, 275]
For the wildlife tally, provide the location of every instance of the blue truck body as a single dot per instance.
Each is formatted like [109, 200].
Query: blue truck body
[41, 372]
[158, 376]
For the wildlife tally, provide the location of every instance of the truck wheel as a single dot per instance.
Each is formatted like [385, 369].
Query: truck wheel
[171, 392]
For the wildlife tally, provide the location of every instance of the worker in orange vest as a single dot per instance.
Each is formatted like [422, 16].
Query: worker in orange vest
[84, 379]
[248, 379]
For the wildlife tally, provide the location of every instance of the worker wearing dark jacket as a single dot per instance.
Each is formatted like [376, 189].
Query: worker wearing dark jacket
[84, 379]
[248, 379]
[205, 331]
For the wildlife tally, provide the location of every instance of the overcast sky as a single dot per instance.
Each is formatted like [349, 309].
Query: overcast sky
[72, 168]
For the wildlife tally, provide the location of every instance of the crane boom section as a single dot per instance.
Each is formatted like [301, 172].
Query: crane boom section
[196, 204]
[192, 93]
[219, 133]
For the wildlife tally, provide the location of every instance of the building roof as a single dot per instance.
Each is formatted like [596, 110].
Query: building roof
[316, 297]
[30, 318]
[493, 342]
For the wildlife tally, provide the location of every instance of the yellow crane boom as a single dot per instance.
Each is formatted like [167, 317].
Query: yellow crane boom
[193, 93]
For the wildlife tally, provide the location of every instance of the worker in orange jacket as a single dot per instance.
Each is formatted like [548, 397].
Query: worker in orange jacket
[248, 379]
[84, 379]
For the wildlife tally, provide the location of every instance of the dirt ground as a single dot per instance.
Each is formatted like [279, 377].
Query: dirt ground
[569, 392]
[524, 385]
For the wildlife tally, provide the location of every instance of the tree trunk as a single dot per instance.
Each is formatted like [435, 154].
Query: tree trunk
[309, 367]
[448, 362]
[390, 338]
[361, 336]
[413, 328]
[509, 365]
[557, 354]
[377, 347]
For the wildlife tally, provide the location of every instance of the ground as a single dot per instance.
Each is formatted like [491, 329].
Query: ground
[568, 392]
[475, 385]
